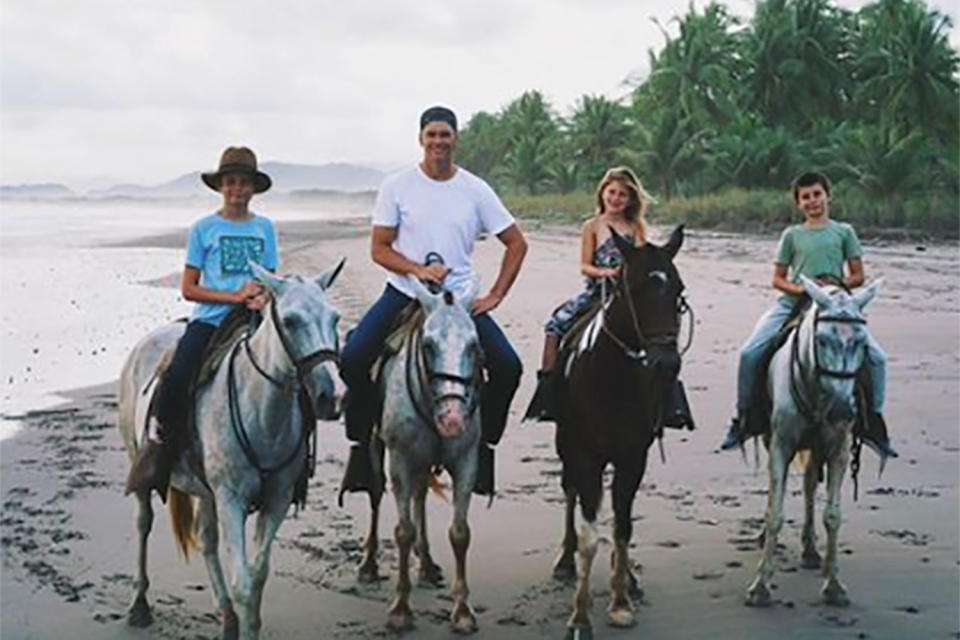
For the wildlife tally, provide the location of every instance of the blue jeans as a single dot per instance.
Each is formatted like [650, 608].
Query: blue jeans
[765, 331]
[366, 342]
[173, 395]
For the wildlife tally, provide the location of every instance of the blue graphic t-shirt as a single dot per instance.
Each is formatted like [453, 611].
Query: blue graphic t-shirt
[220, 250]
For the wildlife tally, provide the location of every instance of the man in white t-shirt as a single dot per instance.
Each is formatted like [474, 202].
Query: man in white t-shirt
[434, 207]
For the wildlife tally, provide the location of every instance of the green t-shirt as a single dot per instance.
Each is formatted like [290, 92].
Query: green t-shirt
[812, 251]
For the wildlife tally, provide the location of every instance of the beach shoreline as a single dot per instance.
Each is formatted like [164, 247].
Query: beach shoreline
[68, 540]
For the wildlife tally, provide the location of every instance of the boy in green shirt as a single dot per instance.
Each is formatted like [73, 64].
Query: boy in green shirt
[819, 247]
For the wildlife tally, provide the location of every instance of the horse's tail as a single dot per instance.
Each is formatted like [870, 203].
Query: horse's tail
[180, 506]
[802, 459]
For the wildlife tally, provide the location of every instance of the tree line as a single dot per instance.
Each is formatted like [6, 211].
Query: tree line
[868, 96]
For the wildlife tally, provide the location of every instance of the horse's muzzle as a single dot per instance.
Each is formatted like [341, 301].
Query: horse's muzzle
[451, 416]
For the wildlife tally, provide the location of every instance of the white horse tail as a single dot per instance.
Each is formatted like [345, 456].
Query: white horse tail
[180, 506]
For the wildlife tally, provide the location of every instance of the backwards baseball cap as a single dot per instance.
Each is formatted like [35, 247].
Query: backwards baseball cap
[438, 114]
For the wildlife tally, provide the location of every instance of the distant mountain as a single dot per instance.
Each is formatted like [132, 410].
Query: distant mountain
[286, 178]
[35, 191]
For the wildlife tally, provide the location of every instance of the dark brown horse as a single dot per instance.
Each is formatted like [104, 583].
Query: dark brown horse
[609, 410]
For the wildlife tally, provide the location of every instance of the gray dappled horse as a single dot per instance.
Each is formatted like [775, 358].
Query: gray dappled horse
[811, 383]
[430, 418]
[609, 405]
[249, 445]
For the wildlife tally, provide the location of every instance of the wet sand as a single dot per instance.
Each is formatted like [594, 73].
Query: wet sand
[68, 539]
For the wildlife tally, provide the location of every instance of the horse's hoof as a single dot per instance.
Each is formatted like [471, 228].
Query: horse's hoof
[621, 617]
[835, 595]
[430, 576]
[758, 596]
[564, 569]
[139, 615]
[462, 620]
[400, 617]
[231, 625]
[368, 574]
[811, 559]
[582, 632]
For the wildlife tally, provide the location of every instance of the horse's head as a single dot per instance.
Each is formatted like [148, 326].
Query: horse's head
[450, 352]
[649, 316]
[839, 343]
[305, 324]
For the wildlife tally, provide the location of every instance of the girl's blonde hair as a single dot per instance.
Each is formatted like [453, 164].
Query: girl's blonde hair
[640, 199]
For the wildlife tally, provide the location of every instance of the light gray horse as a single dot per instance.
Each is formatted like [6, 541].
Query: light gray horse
[249, 445]
[811, 383]
[431, 418]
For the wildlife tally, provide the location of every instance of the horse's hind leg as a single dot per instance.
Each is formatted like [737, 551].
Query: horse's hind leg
[758, 594]
[565, 567]
[139, 613]
[210, 541]
[430, 574]
[810, 558]
[626, 480]
[462, 618]
[368, 571]
[590, 482]
[833, 591]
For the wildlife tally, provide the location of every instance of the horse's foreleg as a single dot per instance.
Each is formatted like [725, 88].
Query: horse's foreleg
[232, 516]
[209, 541]
[833, 591]
[565, 568]
[758, 594]
[430, 574]
[590, 483]
[626, 480]
[139, 613]
[399, 615]
[462, 618]
[810, 558]
[268, 522]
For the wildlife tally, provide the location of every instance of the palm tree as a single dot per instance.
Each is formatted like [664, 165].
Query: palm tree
[599, 130]
[668, 149]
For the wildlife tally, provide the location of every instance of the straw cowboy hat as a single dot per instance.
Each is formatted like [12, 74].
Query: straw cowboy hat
[237, 160]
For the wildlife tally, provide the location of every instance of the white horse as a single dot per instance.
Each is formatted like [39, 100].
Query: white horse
[811, 384]
[249, 445]
[431, 418]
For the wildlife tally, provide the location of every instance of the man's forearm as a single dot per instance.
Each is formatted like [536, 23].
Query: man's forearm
[509, 268]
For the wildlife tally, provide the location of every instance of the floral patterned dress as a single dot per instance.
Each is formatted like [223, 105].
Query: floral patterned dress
[606, 256]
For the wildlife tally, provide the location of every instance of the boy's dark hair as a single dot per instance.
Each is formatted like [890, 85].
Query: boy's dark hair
[809, 179]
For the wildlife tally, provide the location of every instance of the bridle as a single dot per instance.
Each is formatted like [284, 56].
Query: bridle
[666, 339]
[417, 371]
[288, 383]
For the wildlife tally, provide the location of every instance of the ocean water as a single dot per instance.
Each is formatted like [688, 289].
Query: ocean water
[70, 307]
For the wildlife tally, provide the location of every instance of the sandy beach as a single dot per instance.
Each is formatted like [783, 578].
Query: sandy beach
[68, 539]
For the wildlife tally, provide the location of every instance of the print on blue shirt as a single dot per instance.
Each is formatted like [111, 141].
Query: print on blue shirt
[236, 251]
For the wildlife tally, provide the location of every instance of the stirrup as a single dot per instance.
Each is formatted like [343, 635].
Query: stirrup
[541, 404]
[358, 475]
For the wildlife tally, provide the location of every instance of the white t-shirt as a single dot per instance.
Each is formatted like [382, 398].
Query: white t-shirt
[445, 216]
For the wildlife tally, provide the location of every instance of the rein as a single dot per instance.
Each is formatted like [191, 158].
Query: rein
[288, 384]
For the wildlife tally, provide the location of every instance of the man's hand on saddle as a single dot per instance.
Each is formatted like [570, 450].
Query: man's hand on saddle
[486, 303]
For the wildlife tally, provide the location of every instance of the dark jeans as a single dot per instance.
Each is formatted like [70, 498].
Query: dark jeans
[366, 342]
[173, 397]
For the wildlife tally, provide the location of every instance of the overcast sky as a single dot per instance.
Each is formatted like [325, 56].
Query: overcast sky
[95, 92]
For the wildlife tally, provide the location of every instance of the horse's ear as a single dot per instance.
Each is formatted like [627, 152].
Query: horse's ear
[264, 277]
[626, 248]
[673, 244]
[865, 295]
[427, 299]
[466, 300]
[326, 278]
[816, 293]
